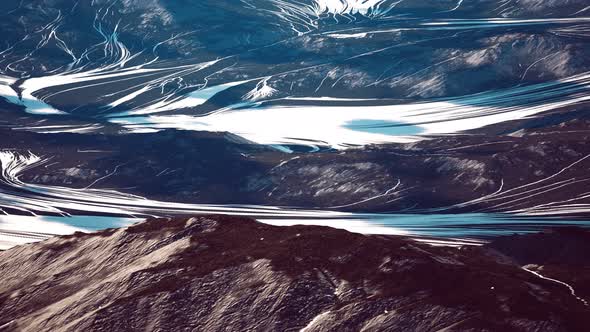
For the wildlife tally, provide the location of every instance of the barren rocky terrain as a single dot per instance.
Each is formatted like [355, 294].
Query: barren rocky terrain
[220, 273]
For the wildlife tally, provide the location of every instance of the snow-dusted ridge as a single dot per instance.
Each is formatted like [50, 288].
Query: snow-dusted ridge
[73, 209]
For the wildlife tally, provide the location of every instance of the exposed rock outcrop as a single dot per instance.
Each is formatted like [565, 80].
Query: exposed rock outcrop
[213, 273]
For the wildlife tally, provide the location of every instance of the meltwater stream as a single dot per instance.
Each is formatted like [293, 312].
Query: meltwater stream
[33, 212]
[437, 229]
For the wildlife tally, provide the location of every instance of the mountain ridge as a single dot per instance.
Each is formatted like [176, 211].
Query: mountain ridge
[218, 272]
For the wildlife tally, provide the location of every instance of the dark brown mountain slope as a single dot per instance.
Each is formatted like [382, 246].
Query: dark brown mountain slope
[219, 273]
[559, 253]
